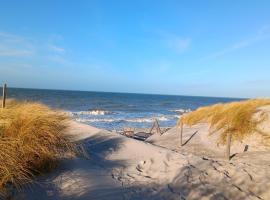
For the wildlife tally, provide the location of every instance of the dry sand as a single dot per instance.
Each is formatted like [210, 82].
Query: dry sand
[124, 168]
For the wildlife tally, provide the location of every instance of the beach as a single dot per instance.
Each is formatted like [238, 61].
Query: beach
[135, 100]
[147, 160]
[123, 168]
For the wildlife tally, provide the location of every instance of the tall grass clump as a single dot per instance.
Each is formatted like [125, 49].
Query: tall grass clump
[236, 118]
[32, 139]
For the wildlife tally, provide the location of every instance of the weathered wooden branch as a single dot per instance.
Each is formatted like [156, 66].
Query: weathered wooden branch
[4, 96]
[128, 132]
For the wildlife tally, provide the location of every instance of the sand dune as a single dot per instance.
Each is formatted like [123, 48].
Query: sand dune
[124, 168]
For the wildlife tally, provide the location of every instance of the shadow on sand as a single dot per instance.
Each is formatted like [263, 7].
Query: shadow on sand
[80, 178]
[93, 179]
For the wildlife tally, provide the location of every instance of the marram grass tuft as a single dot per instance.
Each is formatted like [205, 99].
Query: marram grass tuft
[236, 118]
[32, 139]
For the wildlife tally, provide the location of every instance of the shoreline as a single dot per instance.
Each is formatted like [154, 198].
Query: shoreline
[115, 111]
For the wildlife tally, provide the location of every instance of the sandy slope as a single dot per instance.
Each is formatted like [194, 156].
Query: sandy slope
[197, 140]
[123, 168]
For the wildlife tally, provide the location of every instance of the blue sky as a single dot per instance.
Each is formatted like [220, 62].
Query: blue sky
[203, 48]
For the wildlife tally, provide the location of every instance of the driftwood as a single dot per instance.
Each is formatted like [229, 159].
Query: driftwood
[4, 96]
[143, 134]
[128, 132]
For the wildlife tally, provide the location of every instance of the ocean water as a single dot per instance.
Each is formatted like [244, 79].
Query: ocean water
[113, 111]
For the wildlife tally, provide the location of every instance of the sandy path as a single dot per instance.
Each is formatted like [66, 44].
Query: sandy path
[123, 168]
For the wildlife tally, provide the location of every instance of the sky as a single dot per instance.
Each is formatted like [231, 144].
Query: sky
[201, 48]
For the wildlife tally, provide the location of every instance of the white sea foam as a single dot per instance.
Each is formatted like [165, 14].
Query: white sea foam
[181, 110]
[132, 120]
[95, 120]
[151, 119]
[92, 112]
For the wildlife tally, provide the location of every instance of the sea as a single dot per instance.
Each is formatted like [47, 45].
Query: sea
[115, 111]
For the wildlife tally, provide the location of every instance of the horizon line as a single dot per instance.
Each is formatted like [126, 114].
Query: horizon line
[139, 93]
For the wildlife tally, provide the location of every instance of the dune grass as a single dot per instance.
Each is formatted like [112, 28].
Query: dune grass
[31, 141]
[236, 118]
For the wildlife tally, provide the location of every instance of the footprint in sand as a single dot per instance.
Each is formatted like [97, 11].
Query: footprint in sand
[140, 167]
[145, 165]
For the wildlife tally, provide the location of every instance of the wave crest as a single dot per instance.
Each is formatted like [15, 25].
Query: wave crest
[132, 120]
[92, 112]
[181, 110]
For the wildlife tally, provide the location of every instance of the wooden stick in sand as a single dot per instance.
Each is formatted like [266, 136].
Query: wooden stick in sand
[155, 124]
[152, 127]
[228, 147]
[4, 96]
[157, 127]
[181, 134]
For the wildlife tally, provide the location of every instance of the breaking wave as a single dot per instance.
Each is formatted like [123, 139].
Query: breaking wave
[91, 112]
[131, 120]
[181, 110]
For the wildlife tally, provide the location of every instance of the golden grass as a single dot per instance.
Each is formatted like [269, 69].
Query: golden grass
[31, 141]
[236, 118]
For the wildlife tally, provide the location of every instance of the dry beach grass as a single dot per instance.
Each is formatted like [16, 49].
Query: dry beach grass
[236, 118]
[31, 140]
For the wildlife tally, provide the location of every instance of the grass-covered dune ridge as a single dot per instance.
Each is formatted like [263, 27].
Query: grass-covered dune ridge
[236, 118]
[31, 141]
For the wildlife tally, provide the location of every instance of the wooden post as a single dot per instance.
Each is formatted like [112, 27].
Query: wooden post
[228, 147]
[4, 96]
[152, 127]
[181, 134]
[157, 127]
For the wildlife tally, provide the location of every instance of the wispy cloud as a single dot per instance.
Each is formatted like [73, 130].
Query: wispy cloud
[4, 51]
[56, 49]
[45, 49]
[10, 37]
[14, 45]
[56, 53]
[262, 34]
